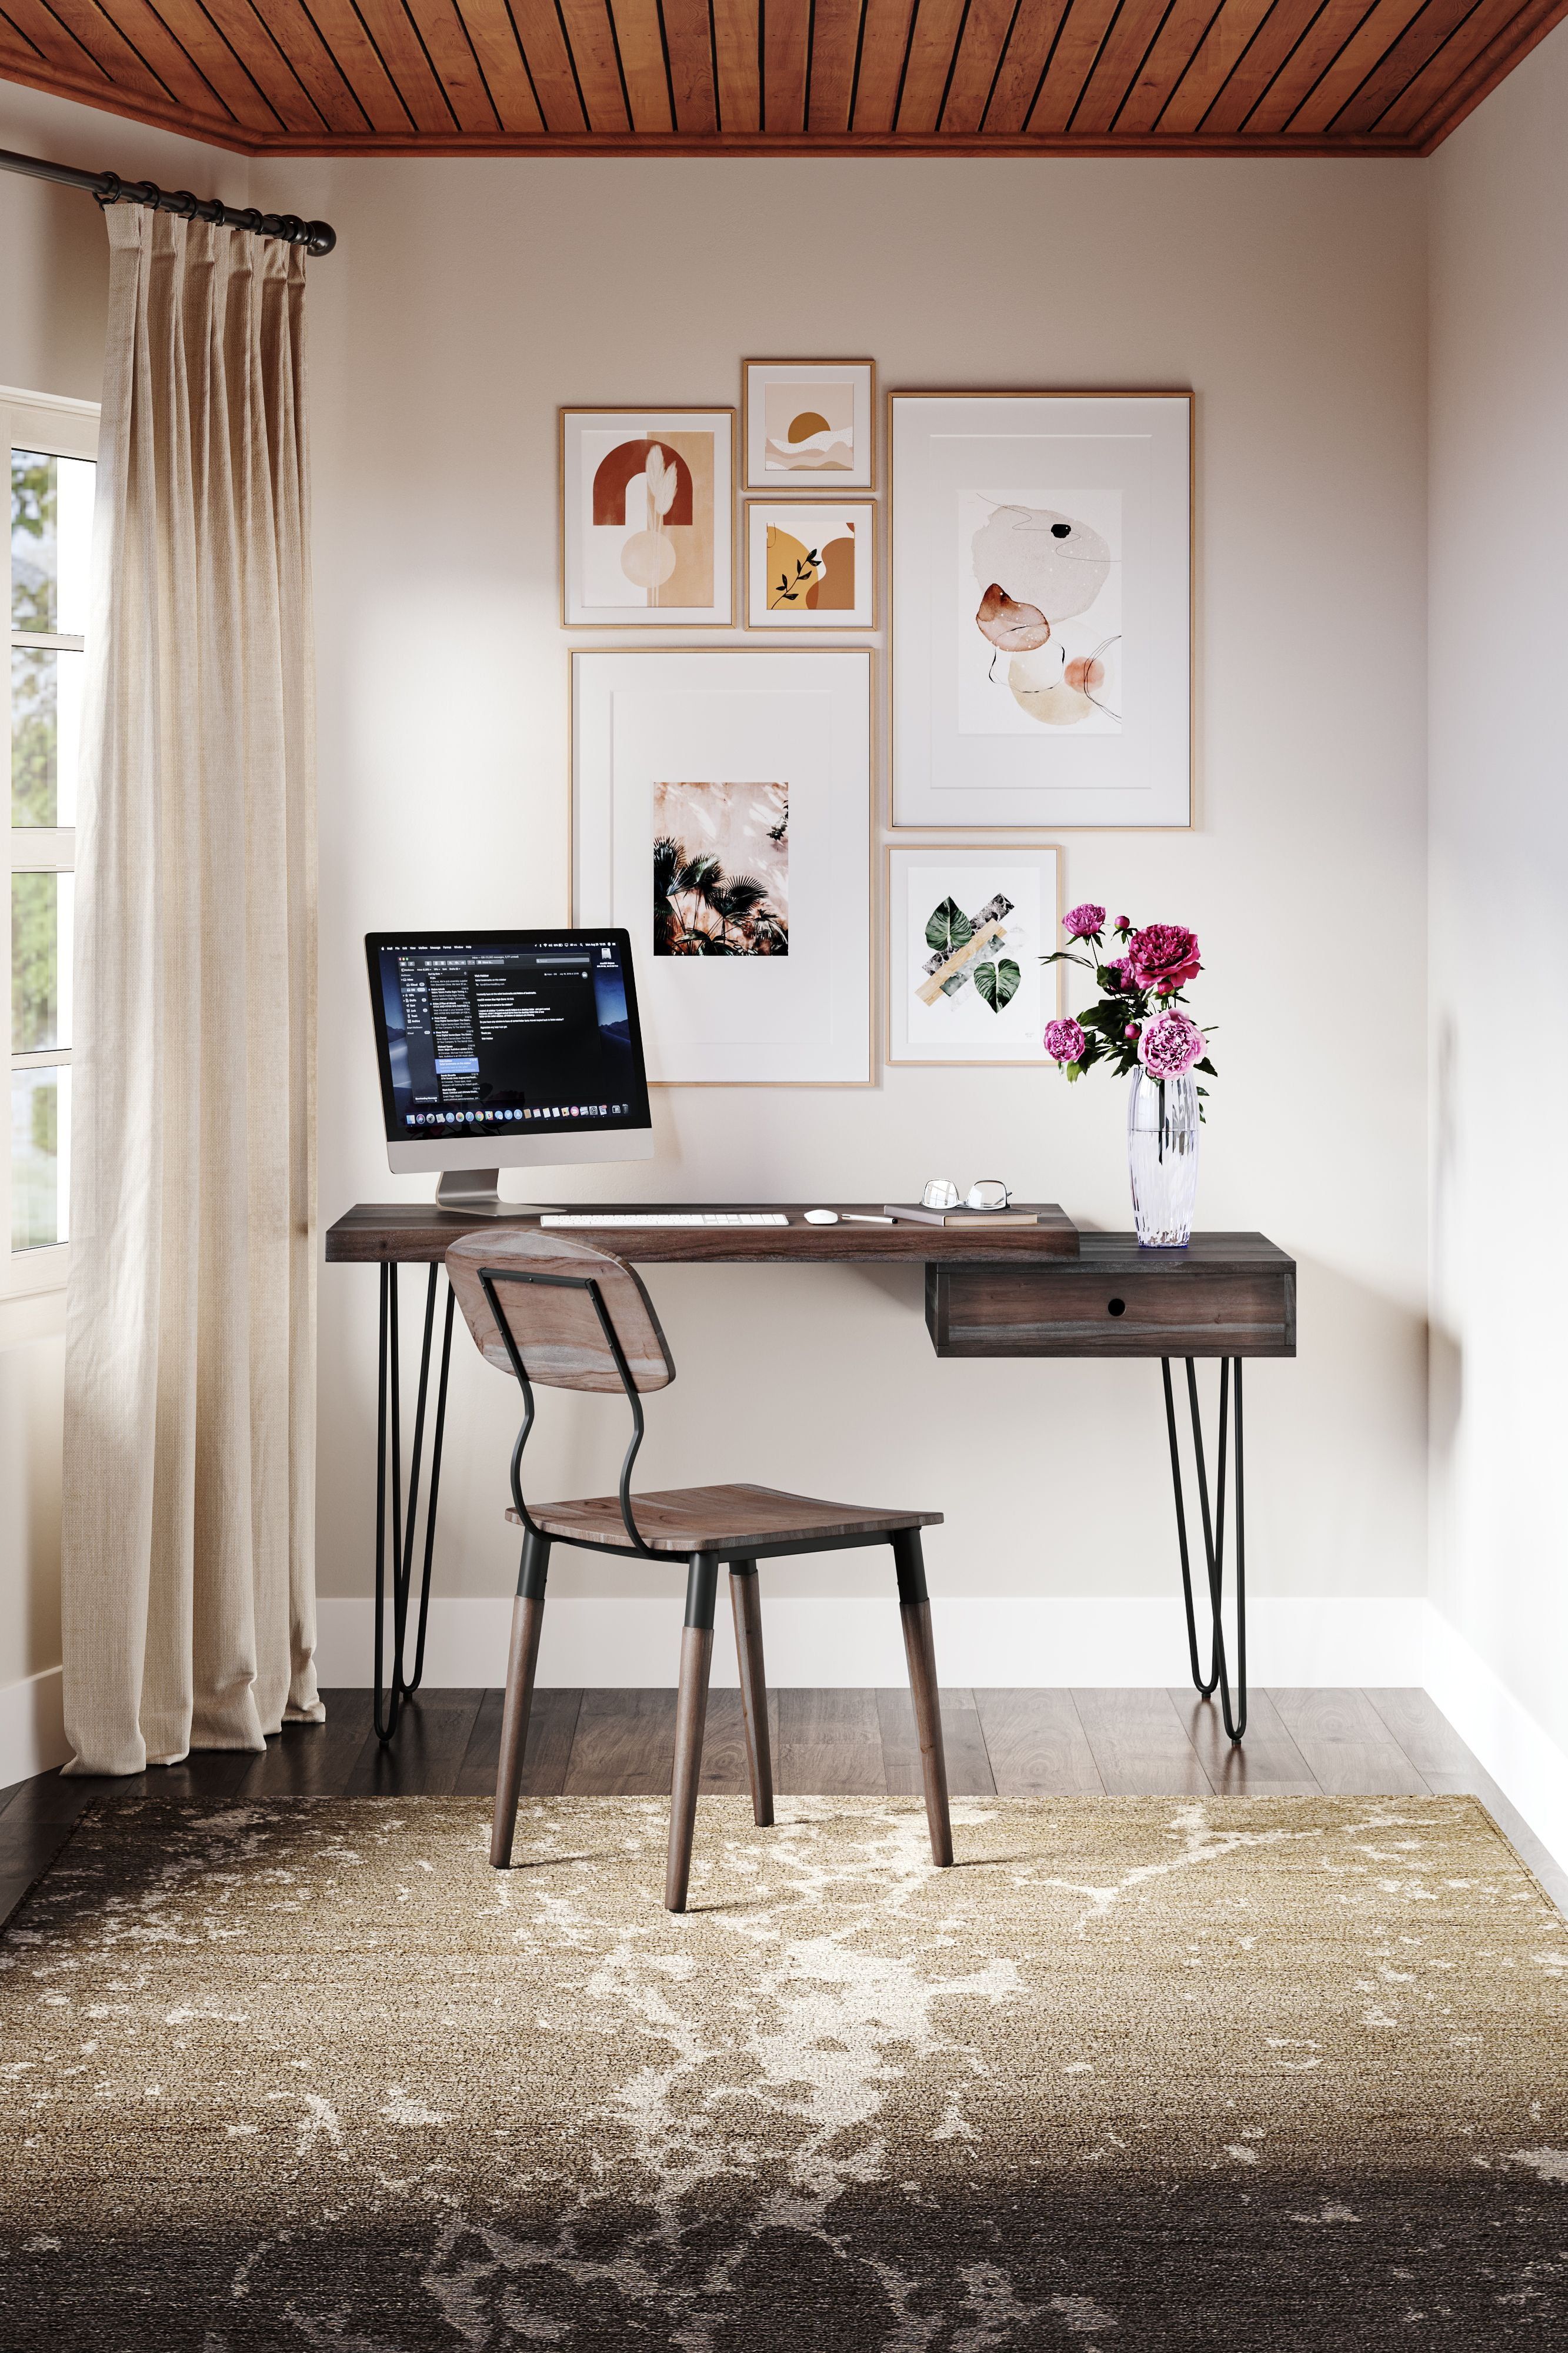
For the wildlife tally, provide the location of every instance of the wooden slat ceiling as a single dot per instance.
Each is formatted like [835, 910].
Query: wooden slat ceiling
[920, 77]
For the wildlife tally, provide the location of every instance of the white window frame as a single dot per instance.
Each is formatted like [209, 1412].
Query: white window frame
[57, 428]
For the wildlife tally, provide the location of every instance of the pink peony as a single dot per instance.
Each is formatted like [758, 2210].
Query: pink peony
[1170, 1045]
[1064, 1041]
[1082, 923]
[1162, 956]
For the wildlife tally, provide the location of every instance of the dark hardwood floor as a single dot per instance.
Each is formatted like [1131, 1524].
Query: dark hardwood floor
[1009, 1744]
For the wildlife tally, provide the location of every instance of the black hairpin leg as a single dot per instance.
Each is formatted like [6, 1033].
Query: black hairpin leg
[398, 1687]
[1214, 1525]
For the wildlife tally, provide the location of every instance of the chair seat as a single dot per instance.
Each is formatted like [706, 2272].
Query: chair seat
[725, 1520]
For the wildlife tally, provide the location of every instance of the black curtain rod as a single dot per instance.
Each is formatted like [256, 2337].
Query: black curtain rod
[316, 236]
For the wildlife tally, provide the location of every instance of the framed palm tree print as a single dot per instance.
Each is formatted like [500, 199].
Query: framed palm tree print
[722, 813]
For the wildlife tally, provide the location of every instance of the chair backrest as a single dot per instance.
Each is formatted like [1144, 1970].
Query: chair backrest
[554, 1322]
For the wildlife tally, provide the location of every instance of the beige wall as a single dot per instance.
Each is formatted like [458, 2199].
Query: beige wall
[465, 301]
[1500, 881]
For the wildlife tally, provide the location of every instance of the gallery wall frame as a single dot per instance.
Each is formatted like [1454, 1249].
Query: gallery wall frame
[929, 1027]
[999, 719]
[665, 738]
[809, 523]
[662, 533]
[857, 378]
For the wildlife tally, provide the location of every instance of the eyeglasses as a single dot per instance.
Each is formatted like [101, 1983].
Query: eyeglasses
[985, 1193]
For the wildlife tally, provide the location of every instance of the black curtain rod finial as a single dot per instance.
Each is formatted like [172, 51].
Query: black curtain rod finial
[317, 237]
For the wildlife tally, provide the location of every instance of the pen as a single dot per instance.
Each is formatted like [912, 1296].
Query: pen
[867, 1218]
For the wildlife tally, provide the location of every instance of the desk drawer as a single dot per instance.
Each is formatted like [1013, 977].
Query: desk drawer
[1173, 1309]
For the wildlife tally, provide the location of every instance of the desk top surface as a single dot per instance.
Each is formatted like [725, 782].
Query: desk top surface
[418, 1233]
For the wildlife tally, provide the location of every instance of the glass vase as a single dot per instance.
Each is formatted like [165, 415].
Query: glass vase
[1162, 1157]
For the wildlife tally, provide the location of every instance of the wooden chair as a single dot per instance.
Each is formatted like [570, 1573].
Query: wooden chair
[562, 1315]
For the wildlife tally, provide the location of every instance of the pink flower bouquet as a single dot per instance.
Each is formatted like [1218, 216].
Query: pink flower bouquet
[1138, 1018]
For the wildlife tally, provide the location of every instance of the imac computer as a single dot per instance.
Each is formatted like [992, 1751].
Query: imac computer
[507, 1050]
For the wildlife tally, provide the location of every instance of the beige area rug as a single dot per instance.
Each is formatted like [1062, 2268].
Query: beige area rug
[1140, 2073]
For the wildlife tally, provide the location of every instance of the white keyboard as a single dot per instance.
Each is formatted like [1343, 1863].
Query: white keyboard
[671, 1217]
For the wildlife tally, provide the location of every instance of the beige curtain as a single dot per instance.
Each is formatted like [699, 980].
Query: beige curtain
[188, 1600]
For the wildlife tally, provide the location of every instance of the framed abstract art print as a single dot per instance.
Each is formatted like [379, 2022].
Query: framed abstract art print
[722, 812]
[646, 518]
[967, 926]
[811, 565]
[810, 425]
[1042, 621]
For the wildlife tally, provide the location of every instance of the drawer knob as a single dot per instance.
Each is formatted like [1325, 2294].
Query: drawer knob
[1116, 1307]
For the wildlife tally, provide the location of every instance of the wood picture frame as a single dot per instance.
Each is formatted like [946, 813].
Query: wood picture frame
[663, 531]
[815, 425]
[1056, 692]
[1009, 914]
[758, 758]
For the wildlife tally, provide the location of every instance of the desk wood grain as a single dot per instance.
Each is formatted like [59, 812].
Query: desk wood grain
[1223, 1295]
[416, 1233]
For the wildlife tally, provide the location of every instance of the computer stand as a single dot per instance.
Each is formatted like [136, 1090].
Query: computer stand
[476, 1193]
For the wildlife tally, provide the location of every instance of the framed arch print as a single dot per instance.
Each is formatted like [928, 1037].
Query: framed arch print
[648, 518]
[1042, 610]
[809, 425]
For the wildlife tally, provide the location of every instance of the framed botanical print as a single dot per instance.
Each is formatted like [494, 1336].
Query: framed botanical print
[809, 425]
[722, 812]
[811, 566]
[966, 929]
[1042, 623]
[646, 518]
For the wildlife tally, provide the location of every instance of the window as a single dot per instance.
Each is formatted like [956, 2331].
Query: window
[50, 448]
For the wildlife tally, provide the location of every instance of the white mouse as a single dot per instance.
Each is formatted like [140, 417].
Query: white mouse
[821, 1217]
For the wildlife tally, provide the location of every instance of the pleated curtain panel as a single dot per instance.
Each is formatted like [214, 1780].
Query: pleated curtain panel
[188, 1574]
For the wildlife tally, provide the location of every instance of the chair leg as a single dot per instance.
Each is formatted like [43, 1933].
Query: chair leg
[914, 1608]
[527, 1619]
[745, 1597]
[690, 1715]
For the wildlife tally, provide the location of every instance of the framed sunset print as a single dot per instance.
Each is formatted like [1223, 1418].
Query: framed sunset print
[722, 813]
[646, 518]
[811, 566]
[967, 926]
[1041, 582]
[809, 425]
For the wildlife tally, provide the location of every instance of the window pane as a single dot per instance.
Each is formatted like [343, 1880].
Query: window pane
[40, 962]
[51, 538]
[47, 689]
[40, 1158]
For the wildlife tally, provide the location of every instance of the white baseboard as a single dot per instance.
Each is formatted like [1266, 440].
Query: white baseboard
[1013, 1641]
[32, 1729]
[1523, 1758]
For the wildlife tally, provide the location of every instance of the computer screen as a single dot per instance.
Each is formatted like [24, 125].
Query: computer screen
[498, 1037]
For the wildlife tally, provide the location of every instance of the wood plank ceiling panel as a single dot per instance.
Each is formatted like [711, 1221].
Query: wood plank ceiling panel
[498, 52]
[1072, 62]
[932, 47]
[550, 65]
[445, 40]
[737, 58]
[689, 39]
[834, 43]
[884, 45]
[1115, 68]
[1376, 33]
[640, 40]
[1232, 30]
[261, 64]
[985, 31]
[1130, 76]
[360, 64]
[1023, 67]
[786, 41]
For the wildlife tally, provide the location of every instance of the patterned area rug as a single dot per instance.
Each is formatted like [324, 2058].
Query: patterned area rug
[1137, 2075]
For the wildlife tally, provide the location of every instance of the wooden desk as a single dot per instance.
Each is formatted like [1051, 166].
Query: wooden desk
[1047, 1290]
